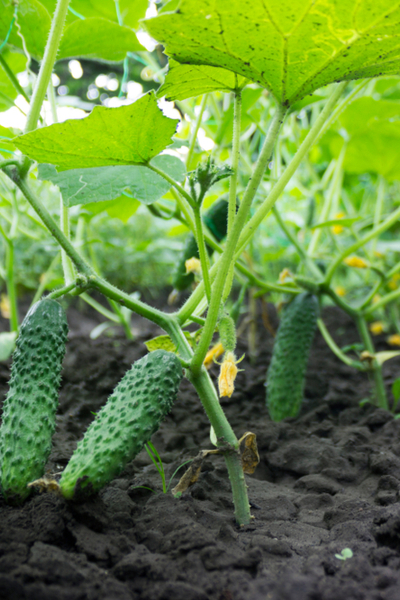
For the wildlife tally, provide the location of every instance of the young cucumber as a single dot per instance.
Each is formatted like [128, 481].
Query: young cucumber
[216, 219]
[132, 414]
[286, 373]
[29, 410]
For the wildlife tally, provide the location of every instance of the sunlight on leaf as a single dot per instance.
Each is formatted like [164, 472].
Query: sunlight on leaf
[291, 48]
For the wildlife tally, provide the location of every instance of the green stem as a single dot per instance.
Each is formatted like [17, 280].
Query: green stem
[391, 220]
[382, 302]
[174, 184]
[326, 208]
[61, 291]
[46, 68]
[205, 264]
[336, 350]
[122, 320]
[99, 308]
[233, 237]
[8, 162]
[279, 187]
[196, 131]
[44, 280]
[10, 281]
[18, 87]
[381, 399]
[380, 197]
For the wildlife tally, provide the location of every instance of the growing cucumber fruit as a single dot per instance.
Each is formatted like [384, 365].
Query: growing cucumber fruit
[131, 415]
[286, 372]
[216, 219]
[28, 420]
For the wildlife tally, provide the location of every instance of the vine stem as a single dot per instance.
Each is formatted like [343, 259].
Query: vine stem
[10, 282]
[196, 131]
[278, 188]
[18, 87]
[233, 237]
[375, 367]
[335, 348]
[391, 220]
[205, 264]
[46, 69]
[174, 184]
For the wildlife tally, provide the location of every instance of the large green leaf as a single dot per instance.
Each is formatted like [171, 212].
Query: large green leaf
[83, 186]
[131, 10]
[127, 135]
[186, 81]
[291, 47]
[374, 137]
[33, 21]
[98, 38]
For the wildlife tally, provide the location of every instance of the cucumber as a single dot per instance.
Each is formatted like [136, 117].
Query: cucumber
[216, 220]
[29, 410]
[181, 281]
[126, 422]
[286, 372]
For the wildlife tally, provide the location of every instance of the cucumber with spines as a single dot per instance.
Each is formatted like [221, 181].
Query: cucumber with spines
[29, 410]
[286, 372]
[126, 422]
[216, 219]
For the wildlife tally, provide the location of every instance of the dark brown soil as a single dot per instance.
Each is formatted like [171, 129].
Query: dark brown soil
[328, 480]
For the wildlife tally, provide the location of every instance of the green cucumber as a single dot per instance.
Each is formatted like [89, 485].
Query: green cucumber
[30, 407]
[216, 219]
[286, 372]
[126, 422]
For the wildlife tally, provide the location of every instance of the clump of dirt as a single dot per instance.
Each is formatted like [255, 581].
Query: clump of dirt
[328, 480]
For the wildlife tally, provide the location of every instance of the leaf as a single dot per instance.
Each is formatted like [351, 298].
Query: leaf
[7, 344]
[374, 144]
[396, 389]
[126, 135]
[6, 145]
[291, 48]
[8, 93]
[131, 10]
[164, 342]
[83, 186]
[382, 357]
[98, 38]
[186, 81]
[345, 222]
[33, 21]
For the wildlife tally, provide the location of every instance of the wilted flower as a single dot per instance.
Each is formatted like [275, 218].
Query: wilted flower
[376, 327]
[340, 290]
[285, 274]
[227, 375]
[394, 340]
[193, 265]
[336, 229]
[215, 352]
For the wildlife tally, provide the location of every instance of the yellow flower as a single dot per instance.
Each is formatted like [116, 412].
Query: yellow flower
[193, 265]
[356, 261]
[376, 299]
[340, 290]
[376, 327]
[394, 340]
[283, 275]
[5, 306]
[215, 352]
[336, 229]
[227, 375]
[393, 283]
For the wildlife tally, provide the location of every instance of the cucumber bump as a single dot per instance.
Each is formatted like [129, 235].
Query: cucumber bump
[28, 420]
[126, 422]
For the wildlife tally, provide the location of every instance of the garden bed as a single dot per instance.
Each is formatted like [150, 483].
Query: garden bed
[328, 480]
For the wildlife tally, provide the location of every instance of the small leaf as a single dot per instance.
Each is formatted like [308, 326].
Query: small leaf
[396, 389]
[382, 357]
[161, 342]
[7, 344]
[186, 81]
[98, 38]
[126, 135]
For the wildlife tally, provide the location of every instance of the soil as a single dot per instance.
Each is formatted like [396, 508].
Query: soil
[327, 481]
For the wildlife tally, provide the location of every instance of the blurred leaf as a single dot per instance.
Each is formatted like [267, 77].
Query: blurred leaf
[131, 10]
[382, 357]
[8, 93]
[177, 230]
[186, 81]
[396, 389]
[97, 38]
[7, 344]
[83, 186]
[291, 48]
[33, 20]
[5, 136]
[126, 135]
[346, 222]
[162, 342]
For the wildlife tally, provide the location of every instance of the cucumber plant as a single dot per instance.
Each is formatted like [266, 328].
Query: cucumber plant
[114, 149]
